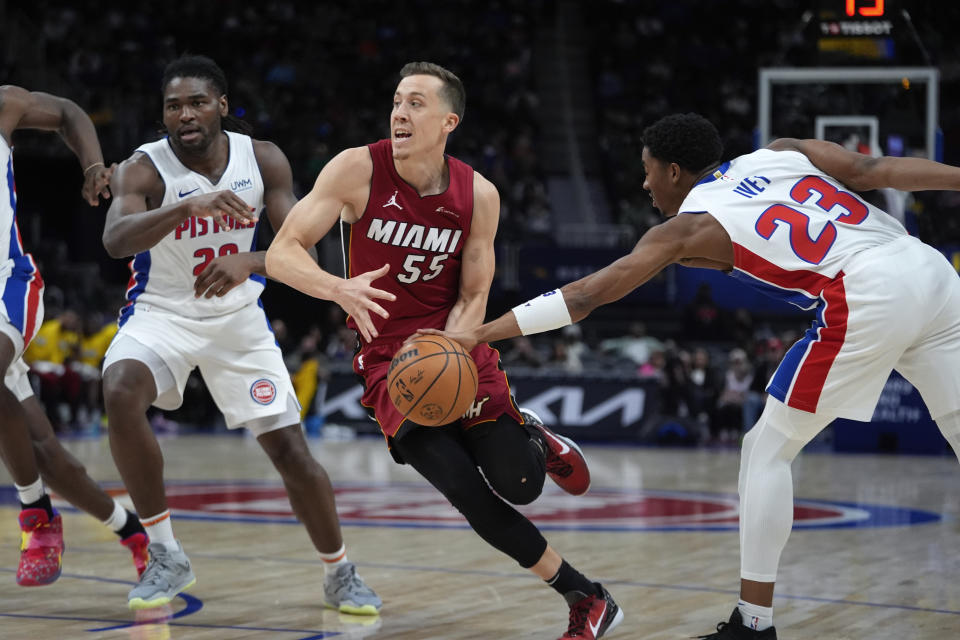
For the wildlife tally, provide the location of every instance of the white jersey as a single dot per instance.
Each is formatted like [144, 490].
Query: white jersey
[21, 287]
[12, 256]
[793, 227]
[164, 276]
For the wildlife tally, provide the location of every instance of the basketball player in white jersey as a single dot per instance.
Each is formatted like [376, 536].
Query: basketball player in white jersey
[31, 451]
[786, 220]
[187, 207]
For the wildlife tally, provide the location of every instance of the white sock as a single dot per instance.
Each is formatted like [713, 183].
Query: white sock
[160, 529]
[118, 518]
[32, 492]
[333, 561]
[754, 616]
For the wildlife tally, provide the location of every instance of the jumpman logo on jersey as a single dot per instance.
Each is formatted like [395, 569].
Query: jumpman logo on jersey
[393, 201]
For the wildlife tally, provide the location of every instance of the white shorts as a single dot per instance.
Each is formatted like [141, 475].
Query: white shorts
[21, 308]
[238, 358]
[17, 380]
[897, 307]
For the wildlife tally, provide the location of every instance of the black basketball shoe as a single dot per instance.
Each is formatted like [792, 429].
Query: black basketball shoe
[734, 630]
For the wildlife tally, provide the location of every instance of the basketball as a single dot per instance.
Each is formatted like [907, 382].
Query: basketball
[432, 381]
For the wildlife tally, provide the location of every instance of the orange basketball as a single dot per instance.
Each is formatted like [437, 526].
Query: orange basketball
[432, 381]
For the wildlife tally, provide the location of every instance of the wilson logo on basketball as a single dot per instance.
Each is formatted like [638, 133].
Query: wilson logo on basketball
[403, 355]
[263, 391]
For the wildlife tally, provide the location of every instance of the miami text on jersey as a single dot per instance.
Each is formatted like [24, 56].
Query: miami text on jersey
[415, 236]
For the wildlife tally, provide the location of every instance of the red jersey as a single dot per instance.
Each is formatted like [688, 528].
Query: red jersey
[421, 238]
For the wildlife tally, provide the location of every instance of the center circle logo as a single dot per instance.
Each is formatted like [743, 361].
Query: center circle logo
[263, 391]
[422, 506]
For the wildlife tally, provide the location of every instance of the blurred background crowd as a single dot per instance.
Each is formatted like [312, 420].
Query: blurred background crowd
[558, 94]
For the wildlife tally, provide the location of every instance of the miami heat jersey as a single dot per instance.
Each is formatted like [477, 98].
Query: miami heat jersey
[793, 227]
[164, 276]
[420, 237]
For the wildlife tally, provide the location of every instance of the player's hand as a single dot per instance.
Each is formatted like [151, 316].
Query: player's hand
[222, 274]
[96, 183]
[220, 205]
[356, 297]
[466, 338]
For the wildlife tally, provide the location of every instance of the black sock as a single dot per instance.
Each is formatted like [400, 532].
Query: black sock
[131, 527]
[42, 503]
[569, 579]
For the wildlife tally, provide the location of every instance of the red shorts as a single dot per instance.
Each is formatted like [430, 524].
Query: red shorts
[493, 391]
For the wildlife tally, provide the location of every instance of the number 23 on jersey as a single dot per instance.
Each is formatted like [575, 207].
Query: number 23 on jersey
[808, 249]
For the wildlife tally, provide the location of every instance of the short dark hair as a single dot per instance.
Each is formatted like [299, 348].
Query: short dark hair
[192, 66]
[195, 66]
[452, 90]
[688, 139]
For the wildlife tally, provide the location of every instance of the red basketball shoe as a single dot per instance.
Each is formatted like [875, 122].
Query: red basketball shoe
[592, 616]
[565, 461]
[137, 544]
[41, 548]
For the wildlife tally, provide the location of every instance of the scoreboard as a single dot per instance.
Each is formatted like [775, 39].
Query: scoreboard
[861, 31]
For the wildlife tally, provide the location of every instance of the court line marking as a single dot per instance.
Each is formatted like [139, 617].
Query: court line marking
[526, 576]
[315, 635]
[194, 605]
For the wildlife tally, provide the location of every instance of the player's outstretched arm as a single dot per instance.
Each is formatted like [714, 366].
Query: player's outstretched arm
[22, 109]
[341, 189]
[678, 238]
[134, 221]
[861, 172]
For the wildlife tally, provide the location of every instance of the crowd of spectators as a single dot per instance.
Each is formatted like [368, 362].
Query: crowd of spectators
[315, 78]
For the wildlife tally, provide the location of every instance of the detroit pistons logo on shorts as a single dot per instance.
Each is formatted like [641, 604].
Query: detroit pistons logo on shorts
[263, 391]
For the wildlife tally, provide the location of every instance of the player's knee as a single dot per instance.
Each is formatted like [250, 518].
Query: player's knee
[121, 394]
[462, 494]
[290, 456]
[516, 487]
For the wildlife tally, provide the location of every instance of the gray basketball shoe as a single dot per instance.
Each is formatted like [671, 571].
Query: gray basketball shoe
[346, 592]
[167, 574]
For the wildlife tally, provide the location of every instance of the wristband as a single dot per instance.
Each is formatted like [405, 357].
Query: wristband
[92, 166]
[546, 312]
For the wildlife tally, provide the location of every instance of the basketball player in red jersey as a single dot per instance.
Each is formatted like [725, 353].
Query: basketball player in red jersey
[422, 227]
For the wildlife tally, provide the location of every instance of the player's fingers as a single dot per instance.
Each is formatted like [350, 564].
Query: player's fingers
[220, 217]
[213, 289]
[377, 309]
[204, 280]
[226, 286]
[378, 273]
[383, 295]
[364, 330]
[105, 191]
[238, 206]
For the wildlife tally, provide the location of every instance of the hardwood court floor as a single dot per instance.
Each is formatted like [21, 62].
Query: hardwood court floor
[657, 528]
